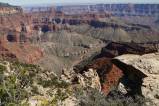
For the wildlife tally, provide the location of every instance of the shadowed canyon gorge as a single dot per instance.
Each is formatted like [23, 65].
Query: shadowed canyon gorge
[79, 55]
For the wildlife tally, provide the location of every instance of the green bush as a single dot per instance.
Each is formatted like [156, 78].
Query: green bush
[12, 86]
[93, 97]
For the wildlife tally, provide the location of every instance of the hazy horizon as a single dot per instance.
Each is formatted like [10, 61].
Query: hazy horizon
[50, 2]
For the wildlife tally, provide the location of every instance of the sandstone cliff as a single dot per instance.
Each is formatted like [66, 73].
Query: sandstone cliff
[15, 29]
[6, 9]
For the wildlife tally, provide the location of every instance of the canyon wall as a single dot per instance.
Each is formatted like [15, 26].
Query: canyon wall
[6, 9]
[115, 9]
[15, 29]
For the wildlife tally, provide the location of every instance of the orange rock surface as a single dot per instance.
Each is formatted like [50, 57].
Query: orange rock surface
[109, 73]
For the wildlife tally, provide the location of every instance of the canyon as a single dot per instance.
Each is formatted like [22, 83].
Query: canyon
[115, 9]
[7, 9]
[87, 46]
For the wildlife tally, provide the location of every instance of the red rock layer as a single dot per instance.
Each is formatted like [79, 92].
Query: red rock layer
[24, 52]
[111, 79]
[12, 22]
[109, 73]
[5, 53]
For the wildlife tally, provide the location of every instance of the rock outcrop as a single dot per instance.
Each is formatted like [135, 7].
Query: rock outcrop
[89, 78]
[112, 72]
[15, 29]
[148, 65]
[57, 22]
[14, 23]
[109, 73]
[114, 49]
[101, 74]
[12, 18]
[6, 9]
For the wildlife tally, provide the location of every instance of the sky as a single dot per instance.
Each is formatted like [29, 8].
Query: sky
[28, 2]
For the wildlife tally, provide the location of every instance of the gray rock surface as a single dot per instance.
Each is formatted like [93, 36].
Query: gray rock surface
[89, 79]
[149, 65]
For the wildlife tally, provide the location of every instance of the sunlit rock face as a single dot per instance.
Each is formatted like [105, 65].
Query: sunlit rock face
[12, 18]
[90, 78]
[148, 65]
[15, 30]
[109, 74]
[6, 9]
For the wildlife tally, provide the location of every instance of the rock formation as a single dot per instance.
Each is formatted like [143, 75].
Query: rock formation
[109, 73]
[14, 45]
[102, 24]
[82, 35]
[5, 53]
[148, 66]
[115, 9]
[6, 9]
[114, 49]
[11, 18]
[23, 52]
[15, 29]
[89, 78]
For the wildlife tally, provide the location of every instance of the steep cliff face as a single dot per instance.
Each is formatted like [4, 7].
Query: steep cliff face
[9, 10]
[15, 29]
[115, 9]
[101, 25]
[6, 9]
[12, 18]
[14, 22]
